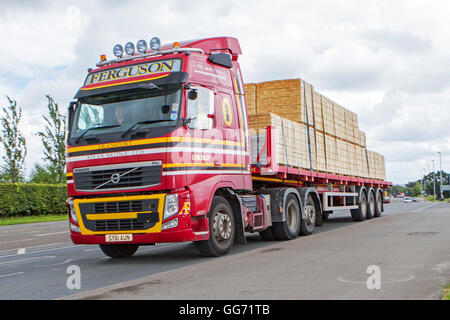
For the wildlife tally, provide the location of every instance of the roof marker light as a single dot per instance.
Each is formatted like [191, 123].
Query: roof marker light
[130, 48]
[118, 51]
[176, 45]
[155, 44]
[142, 46]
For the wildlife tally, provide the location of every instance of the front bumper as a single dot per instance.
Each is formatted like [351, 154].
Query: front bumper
[141, 216]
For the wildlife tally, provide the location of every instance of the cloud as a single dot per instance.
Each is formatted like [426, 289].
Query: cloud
[388, 61]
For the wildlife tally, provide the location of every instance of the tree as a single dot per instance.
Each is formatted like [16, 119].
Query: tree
[13, 143]
[41, 174]
[53, 139]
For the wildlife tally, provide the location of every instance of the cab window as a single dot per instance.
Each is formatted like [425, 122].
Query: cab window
[200, 104]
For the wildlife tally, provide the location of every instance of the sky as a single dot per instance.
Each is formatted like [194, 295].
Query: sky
[388, 61]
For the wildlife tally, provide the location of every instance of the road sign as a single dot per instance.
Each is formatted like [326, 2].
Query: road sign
[446, 188]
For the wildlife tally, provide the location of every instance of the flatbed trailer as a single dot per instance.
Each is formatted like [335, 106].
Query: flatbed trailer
[159, 151]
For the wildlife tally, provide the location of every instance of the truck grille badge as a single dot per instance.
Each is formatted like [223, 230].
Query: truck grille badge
[115, 178]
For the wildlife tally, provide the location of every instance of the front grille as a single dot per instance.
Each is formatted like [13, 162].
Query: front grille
[118, 225]
[122, 206]
[146, 210]
[121, 178]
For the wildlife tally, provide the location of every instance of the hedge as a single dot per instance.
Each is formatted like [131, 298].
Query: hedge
[29, 199]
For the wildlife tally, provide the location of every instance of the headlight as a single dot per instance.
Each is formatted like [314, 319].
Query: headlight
[118, 51]
[73, 214]
[129, 48]
[155, 43]
[142, 46]
[171, 206]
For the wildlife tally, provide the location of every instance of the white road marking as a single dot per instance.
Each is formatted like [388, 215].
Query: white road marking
[56, 264]
[410, 277]
[28, 259]
[10, 274]
[45, 250]
[49, 234]
[21, 251]
[12, 241]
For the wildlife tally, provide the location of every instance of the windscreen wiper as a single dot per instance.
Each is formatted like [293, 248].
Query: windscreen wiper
[141, 122]
[94, 128]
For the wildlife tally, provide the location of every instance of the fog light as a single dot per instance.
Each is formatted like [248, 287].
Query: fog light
[72, 212]
[170, 225]
[75, 228]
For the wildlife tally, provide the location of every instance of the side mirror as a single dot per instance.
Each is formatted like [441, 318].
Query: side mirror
[222, 59]
[71, 112]
[192, 95]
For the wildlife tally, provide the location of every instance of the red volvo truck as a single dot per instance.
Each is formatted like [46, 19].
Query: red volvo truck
[159, 151]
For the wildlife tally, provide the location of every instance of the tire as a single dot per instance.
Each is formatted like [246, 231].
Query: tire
[222, 230]
[289, 229]
[371, 205]
[378, 205]
[119, 251]
[267, 235]
[360, 213]
[309, 222]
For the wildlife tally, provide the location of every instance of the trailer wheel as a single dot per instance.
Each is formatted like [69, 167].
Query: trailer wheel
[308, 224]
[378, 205]
[222, 230]
[289, 229]
[360, 213]
[267, 234]
[118, 251]
[371, 205]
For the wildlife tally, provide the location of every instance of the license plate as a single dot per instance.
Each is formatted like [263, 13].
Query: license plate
[119, 237]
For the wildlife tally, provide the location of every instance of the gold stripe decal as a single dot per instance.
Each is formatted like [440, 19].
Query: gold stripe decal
[150, 141]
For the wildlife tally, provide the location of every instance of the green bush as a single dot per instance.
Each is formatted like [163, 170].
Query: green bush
[17, 199]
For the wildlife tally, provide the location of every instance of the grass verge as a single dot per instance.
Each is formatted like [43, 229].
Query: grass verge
[446, 294]
[32, 219]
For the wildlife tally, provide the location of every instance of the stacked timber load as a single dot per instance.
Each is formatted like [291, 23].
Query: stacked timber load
[311, 131]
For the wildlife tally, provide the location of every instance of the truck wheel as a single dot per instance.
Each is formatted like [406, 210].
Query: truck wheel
[289, 229]
[360, 213]
[371, 205]
[267, 235]
[378, 205]
[222, 230]
[118, 251]
[308, 224]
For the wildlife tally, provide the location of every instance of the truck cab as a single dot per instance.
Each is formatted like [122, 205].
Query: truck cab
[155, 140]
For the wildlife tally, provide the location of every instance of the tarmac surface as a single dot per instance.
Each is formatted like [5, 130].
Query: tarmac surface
[403, 255]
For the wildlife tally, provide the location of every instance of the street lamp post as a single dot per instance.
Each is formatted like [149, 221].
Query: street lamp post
[434, 182]
[424, 181]
[440, 178]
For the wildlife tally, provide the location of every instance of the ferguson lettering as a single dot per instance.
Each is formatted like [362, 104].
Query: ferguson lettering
[134, 71]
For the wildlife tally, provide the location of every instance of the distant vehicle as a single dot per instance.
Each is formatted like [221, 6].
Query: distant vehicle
[408, 200]
[414, 200]
[387, 200]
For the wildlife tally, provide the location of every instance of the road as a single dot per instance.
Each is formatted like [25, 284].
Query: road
[34, 258]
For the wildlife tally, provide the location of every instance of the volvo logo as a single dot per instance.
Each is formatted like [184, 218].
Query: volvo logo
[115, 178]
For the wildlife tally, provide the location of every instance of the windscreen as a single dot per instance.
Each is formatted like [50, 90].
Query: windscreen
[119, 111]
